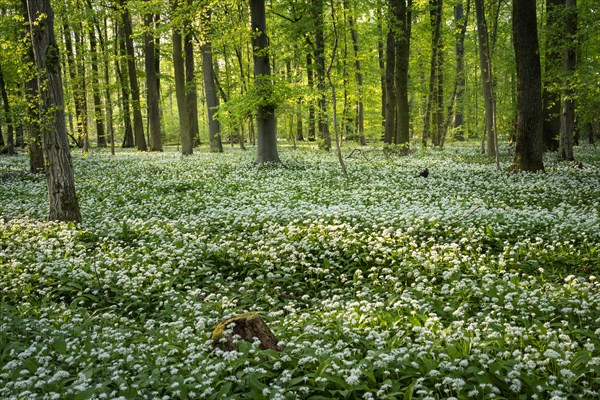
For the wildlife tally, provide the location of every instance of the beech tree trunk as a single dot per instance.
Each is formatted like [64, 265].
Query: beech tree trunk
[210, 90]
[10, 138]
[567, 117]
[76, 88]
[360, 108]
[152, 93]
[310, 79]
[390, 83]
[265, 116]
[98, 116]
[180, 92]
[461, 27]
[551, 80]
[190, 85]
[62, 200]
[138, 122]
[317, 10]
[402, 19]
[128, 140]
[487, 80]
[529, 146]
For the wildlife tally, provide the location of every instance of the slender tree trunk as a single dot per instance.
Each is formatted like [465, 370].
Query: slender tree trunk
[98, 117]
[76, 88]
[10, 139]
[461, 20]
[381, 59]
[360, 108]
[390, 82]
[529, 147]
[107, 92]
[552, 66]
[312, 133]
[34, 135]
[190, 80]
[487, 79]
[438, 94]
[567, 117]
[317, 9]
[82, 85]
[265, 118]
[210, 89]
[128, 140]
[182, 104]
[62, 200]
[153, 98]
[138, 122]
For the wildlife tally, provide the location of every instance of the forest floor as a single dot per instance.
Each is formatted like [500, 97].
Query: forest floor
[466, 284]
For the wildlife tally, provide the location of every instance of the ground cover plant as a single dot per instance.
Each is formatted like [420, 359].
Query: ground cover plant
[465, 284]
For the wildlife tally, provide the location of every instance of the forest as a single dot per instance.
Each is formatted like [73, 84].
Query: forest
[296, 199]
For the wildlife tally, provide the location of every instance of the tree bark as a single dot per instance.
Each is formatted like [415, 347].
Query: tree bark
[76, 88]
[210, 89]
[98, 117]
[529, 146]
[180, 92]
[62, 200]
[567, 117]
[460, 19]
[138, 122]
[152, 92]
[265, 118]
[310, 79]
[128, 140]
[390, 83]
[487, 80]
[552, 65]
[10, 138]
[402, 19]
[317, 13]
[360, 108]
[190, 81]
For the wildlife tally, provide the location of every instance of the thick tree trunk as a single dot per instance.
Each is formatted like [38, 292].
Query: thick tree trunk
[210, 93]
[138, 122]
[402, 18]
[487, 80]
[317, 10]
[152, 93]
[62, 201]
[98, 116]
[10, 138]
[567, 117]
[265, 118]
[182, 104]
[529, 146]
[552, 66]
[438, 47]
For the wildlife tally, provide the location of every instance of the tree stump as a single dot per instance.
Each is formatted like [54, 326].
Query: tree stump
[248, 326]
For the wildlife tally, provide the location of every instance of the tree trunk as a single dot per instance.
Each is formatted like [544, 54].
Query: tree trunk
[381, 59]
[567, 117]
[180, 92]
[76, 88]
[152, 94]
[461, 28]
[360, 108]
[317, 10]
[190, 81]
[128, 140]
[487, 80]
[98, 117]
[438, 47]
[402, 19]
[310, 79]
[210, 89]
[62, 200]
[138, 122]
[390, 83]
[552, 66]
[265, 118]
[529, 146]
[10, 138]
[36, 156]
[107, 95]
